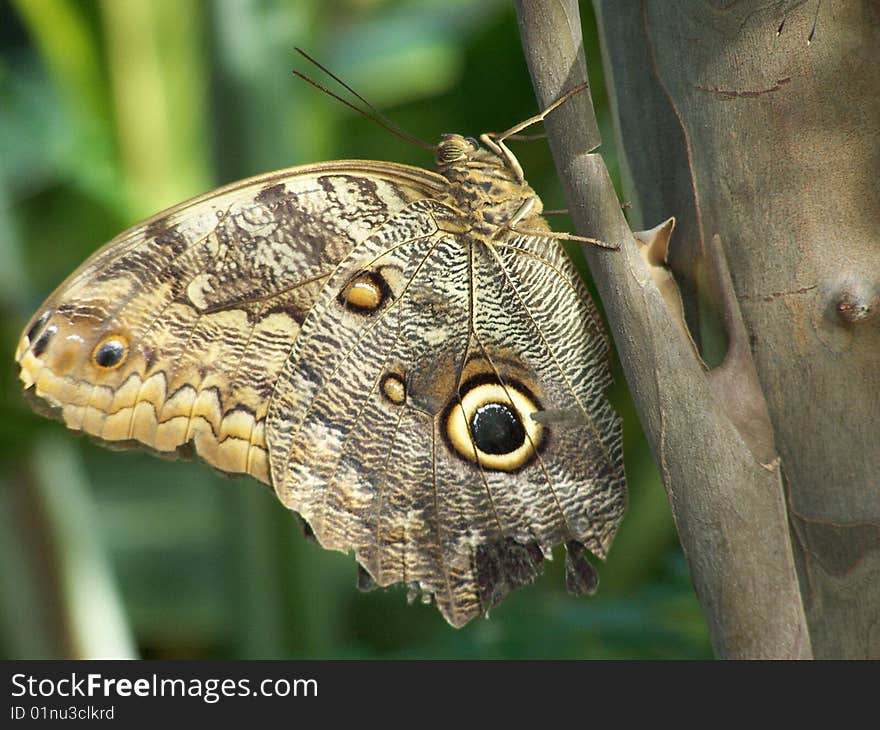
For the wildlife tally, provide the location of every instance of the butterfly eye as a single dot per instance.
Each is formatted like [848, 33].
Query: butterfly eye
[110, 352]
[492, 426]
[454, 147]
[366, 292]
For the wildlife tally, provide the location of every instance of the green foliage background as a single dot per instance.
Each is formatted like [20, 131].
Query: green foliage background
[113, 110]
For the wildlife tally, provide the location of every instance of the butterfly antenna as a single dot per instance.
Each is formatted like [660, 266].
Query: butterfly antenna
[815, 20]
[373, 114]
[543, 115]
[528, 137]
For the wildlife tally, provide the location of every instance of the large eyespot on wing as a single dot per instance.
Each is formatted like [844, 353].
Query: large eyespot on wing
[175, 332]
[491, 424]
[418, 443]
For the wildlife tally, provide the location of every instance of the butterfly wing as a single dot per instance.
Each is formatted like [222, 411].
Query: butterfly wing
[174, 333]
[377, 429]
[338, 332]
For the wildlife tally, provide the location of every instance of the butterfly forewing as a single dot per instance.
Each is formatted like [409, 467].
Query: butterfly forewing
[206, 301]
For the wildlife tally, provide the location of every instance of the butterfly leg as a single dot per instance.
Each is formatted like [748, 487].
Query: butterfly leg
[526, 210]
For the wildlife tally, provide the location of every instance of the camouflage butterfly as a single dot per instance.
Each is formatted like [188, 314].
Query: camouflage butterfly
[408, 358]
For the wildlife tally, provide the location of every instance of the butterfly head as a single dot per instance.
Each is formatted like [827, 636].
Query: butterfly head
[487, 183]
[461, 157]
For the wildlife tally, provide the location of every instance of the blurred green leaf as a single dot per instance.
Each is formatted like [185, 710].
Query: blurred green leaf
[96, 623]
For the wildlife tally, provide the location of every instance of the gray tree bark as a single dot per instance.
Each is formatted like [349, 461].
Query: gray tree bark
[765, 148]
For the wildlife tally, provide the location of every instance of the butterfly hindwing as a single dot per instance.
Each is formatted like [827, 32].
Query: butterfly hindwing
[365, 446]
[351, 441]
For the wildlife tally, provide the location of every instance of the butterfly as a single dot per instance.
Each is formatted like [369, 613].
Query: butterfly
[408, 358]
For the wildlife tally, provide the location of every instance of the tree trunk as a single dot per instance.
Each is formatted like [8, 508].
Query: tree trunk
[759, 132]
[778, 109]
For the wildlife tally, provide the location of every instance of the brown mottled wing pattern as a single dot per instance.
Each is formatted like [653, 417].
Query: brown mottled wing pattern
[419, 379]
[374, 468]
[202, 305]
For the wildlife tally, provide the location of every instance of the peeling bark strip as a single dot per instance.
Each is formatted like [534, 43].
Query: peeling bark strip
[709, 431]
[744, 94]
[772, 296]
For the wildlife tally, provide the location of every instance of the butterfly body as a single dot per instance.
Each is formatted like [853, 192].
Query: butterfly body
[372, 340]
